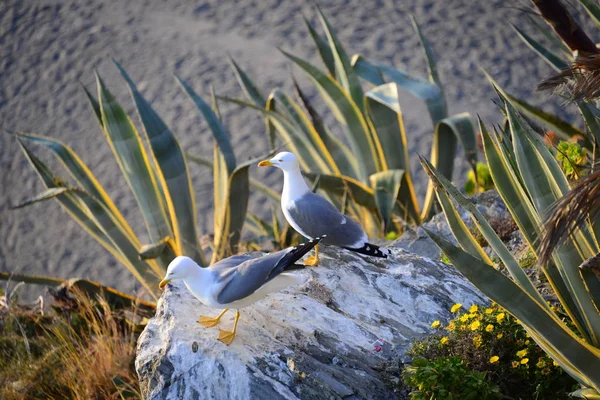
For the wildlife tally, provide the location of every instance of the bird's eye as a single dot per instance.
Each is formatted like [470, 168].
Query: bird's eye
[280, 160]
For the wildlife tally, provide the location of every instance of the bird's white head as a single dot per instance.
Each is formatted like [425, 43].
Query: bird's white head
[180, 268]
[284, 160]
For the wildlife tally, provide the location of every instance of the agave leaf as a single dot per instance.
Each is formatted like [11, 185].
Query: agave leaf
[562, 128]
[95, 106]
[344, 73]
[592, 8]
[443, 151]
[248, 86]
[383, 108]
[255, 184]
[271, 131]
[363, 143]
[152, 251]
[591, 117]
[216, 127]
[542, 28]
[115, 298]
[440, 182]
[323, 48]
[70, 203]
[428, 53]
[423, 89]
[129, 151]
[257, 226]
[552, 59]
[582, 358]
[47, 194]
[386, 185]
[173, 173]
[338, 185]
[253, 94]
[292, 136]
[234, 212]
[221, 206]
[510, 189]
[344, 159]
[82, 174]
[459, 229]
[96, 219]
[586, 393]
[318, 156]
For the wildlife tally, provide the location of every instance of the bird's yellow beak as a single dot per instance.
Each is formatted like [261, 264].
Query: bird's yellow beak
[265, 163]
[163, 283]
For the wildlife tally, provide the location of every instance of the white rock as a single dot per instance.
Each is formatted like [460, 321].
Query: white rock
[311, 342]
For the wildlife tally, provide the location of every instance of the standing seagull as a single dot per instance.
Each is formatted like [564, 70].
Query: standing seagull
[312, 216]
[238, 281]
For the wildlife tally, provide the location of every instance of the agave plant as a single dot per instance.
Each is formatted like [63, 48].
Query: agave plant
[370, 176]
[159, 180]
[530, 180]
[574, 58]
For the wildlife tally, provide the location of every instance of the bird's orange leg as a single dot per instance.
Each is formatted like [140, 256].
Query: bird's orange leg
[226, 336]
[209, 321]
[313, 261]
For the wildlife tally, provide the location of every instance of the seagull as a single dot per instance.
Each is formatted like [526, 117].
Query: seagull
[238, 281]
[312, 216]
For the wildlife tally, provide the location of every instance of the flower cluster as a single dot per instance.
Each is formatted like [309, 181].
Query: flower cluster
[490, 339]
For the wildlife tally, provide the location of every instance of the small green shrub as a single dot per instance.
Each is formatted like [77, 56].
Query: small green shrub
[483, 182]
[572, 159]
[489, 340]
[448, 378]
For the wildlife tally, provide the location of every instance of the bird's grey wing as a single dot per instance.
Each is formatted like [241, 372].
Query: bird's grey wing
[231, 262]
[316, 217]
[243, 280]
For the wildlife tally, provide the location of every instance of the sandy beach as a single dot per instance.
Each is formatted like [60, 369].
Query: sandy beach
[48, 48]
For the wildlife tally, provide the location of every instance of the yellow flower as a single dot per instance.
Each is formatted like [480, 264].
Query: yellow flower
[524, 361]
[444, 340]
[477, 341]
[515, 364]
[494, 359]
[464, 318]
[499, 336]
[554, 363]
[500, 317]
[456, 307]
[473, 308]
[435, 324]
[472, 315]
[527, 335]
[540, 364]
[522, 353]
[489, 328]
[451, 326]
[489, 310]
[527, 342]
[474, 325]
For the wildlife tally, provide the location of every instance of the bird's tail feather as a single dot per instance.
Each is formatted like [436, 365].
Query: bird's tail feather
[371, 250]
[287, 262]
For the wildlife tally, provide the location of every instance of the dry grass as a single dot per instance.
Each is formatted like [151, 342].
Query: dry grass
[86, 352]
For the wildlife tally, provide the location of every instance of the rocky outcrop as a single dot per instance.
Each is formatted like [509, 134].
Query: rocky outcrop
[314, 341]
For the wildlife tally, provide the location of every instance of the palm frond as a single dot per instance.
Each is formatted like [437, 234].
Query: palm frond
[582, 78]
[569, 213]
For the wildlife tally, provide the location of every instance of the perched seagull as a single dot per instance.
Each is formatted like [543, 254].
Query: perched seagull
[312, 216]
[238, 281]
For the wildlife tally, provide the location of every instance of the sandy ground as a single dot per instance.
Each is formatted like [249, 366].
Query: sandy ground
[47, 47]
